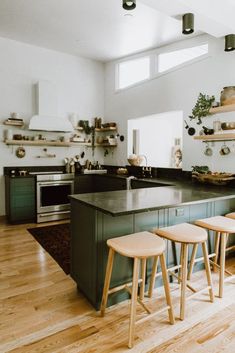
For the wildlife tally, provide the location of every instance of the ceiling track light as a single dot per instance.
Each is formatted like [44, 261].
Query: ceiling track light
[188, 23]
[129, 4]
[229, 42]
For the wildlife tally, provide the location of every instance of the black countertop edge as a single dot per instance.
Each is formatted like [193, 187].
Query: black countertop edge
[154, 208]
[49, 168]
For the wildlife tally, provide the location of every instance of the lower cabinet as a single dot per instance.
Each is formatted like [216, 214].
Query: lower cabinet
[92, 228]
[20, 199]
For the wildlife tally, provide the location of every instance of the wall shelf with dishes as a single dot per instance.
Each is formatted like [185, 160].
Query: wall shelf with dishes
[222, 109]
[219, 136]
[46, 143]
[216, 137]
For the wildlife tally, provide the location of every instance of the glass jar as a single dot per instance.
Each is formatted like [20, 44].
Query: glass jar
[227, 95]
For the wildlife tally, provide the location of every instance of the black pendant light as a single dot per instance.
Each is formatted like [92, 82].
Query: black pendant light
[188, 23]
[129, 4]
[229, 42]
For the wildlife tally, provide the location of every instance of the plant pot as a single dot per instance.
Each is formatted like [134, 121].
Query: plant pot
[227, 95]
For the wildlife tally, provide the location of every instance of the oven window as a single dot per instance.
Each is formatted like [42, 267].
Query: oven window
[55, 195]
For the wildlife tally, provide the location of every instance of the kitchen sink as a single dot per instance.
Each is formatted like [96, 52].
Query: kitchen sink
[138, 184]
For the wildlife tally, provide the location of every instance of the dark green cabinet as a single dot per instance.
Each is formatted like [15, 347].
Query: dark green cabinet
[90, 230]
[20, 199]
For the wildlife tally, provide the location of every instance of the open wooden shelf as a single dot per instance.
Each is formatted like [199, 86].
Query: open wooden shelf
[215, 137]
[103, 129]
[12, 123]
[45, 143]
[222, 109]
[102, 145]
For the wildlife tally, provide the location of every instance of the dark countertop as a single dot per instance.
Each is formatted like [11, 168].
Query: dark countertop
[181, 193]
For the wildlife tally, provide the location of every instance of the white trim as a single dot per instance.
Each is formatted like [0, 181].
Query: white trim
[153, 55]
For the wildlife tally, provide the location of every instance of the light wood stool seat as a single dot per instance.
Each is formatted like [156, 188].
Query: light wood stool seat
[142, 244]
[223, 226]
[186, 234]
[138, 246]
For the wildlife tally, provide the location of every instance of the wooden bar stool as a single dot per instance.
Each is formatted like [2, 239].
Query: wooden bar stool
[186, 234]
[138, 246]
[223, 227]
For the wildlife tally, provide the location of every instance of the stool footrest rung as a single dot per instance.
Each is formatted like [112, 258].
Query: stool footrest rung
[139, 301]
[122, 286]
[187, 284]
[230, 248]
[218, 266]
[152, 314]
[199, 291]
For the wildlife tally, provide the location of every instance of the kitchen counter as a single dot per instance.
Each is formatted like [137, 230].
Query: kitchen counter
[123, 202]
[96, 217]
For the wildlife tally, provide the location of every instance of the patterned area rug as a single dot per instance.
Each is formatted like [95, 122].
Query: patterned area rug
[56, 241]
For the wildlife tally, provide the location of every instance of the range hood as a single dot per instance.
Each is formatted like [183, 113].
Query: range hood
[47, 118]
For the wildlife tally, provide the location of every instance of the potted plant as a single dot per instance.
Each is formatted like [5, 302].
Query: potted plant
[202, 107]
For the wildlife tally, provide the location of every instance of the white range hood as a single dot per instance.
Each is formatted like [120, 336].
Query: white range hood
[47, 118]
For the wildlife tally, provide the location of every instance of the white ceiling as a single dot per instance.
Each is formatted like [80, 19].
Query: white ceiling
[102, 30]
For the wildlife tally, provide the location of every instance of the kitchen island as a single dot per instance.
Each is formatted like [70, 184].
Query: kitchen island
[96, 217]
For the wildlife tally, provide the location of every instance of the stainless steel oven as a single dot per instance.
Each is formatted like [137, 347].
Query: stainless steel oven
[52, 196]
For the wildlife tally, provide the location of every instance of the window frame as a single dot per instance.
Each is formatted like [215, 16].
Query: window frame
[117, 71]
[154, 54]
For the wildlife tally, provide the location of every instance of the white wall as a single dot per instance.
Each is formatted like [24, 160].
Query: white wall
[157, 134]
[80, 89]
[177, 90]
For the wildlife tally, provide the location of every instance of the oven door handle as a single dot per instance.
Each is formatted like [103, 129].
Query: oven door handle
[53, 183]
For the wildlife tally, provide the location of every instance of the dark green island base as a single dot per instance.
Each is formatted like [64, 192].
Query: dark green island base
[96, 217]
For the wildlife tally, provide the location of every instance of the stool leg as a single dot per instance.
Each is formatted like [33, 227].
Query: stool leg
[108, 274]
[193, 256]
[143, 276]
[208, 270]
[217, 241]
[167, 288]
[222, 263]
[153, 275]
[184, 249]
[133, 302]
[180, 268]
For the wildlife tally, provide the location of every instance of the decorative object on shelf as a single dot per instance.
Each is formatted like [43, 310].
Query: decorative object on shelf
[85, 125]
[208, 131]
[229, 42]
[202, 107]
[227, 96]
[20, 152]
[129, 4]
[208, 151]
[188, 23]
[203, 169]
[228, 126]
[217, 126]
[112, 140]
[191, 130]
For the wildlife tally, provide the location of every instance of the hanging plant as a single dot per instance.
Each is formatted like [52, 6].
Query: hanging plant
[202, 107]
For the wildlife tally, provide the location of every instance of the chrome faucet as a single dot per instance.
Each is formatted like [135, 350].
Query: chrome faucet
[146, 171]
[128, 181]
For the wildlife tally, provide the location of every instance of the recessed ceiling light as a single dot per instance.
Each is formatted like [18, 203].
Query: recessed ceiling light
[129, 4]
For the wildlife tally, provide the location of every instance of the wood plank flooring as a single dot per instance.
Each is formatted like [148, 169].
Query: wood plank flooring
[41, 310]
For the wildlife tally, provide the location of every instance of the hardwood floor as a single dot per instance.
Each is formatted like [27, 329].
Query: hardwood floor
[41, 310]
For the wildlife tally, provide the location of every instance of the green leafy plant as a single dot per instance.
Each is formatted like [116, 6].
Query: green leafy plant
[202, 107]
